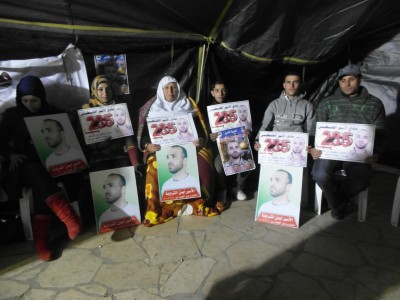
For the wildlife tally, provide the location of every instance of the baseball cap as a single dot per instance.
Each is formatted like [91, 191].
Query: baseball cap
[349, 70]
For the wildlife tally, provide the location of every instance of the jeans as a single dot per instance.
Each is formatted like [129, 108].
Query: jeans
[339, 189]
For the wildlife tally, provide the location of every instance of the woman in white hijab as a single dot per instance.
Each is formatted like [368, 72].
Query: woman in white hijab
[172, 100]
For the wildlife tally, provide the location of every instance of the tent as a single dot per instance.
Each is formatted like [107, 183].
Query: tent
[250, 44]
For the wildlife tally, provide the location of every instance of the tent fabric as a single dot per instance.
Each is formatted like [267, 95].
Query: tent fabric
[249, 43]
[296, 31]
[64, 77]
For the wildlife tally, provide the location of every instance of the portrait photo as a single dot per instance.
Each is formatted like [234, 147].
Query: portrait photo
[345, 141]
[56, 143]
[279, 195]
[178, 173]
[115, 198]
[235, 151]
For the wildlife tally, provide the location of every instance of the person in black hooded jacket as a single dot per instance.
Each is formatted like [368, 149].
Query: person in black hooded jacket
[25, 168]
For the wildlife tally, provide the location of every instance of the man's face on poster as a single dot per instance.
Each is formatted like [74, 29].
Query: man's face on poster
[233, 149]
[120, 116]
[176, 160]
[278, 184]
[111, 72]
[298, 145]
[242, 111]
[113, 189]
[52, 134]
[361, 138]
[183, 125]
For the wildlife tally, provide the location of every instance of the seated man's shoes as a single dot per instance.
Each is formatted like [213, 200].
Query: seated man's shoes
[240, 195]
[338, 214]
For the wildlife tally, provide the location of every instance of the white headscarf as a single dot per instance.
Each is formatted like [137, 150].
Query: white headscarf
[162, 107]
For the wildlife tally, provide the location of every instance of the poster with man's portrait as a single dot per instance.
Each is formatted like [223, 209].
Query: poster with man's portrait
[279, 195]
[105, 122]
[115, 198]
[229, 115]
[171, 130]
[283, 148]
[115, 68]
[345, 141]
[56, 144]
[234, 148]
[178, 172]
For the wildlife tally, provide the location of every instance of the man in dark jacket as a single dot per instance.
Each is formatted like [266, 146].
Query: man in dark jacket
[351, 103]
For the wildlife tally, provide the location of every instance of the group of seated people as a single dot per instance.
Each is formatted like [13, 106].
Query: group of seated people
[290, 112]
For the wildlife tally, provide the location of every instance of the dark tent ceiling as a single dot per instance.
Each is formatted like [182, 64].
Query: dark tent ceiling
[289, 30]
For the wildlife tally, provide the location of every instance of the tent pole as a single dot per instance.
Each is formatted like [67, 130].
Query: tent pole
[200, 72]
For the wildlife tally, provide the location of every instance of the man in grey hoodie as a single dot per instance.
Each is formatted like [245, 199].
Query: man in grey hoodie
[291, 112]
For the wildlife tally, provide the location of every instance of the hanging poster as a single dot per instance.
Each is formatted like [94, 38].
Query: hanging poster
[115, 68]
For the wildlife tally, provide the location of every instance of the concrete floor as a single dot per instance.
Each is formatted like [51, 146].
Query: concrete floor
[225, 257]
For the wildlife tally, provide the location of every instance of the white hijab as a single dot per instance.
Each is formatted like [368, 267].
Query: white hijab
[162, 107]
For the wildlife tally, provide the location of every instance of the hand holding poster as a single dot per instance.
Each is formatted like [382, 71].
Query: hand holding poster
[345, 141]
[229, 115]
[178, 173]
[115, 198]
[105, 122]
[283, 148]
[56, 144]
[234, 148]
[172, 130]
[279, 195]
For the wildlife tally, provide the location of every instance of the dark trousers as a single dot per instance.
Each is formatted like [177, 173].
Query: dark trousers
[34, 175]
[339, 189]
[234, 182]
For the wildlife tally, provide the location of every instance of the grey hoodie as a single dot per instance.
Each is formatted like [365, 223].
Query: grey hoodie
[283, 114]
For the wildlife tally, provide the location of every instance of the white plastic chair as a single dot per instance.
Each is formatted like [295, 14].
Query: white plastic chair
[361, 199]
[396, 201]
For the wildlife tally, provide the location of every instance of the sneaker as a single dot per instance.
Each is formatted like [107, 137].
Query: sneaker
[241, 195]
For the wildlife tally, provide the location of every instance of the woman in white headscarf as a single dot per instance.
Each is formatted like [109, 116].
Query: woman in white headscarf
[172, 100]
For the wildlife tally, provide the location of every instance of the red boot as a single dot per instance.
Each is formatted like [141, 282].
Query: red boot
[41, 230]
[64, 211]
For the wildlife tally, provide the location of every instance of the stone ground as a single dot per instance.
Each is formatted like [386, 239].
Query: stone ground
[225, 257]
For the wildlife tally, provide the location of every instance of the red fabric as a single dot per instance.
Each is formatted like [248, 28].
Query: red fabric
[160, 212]
[41, 233]
[64, 211]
